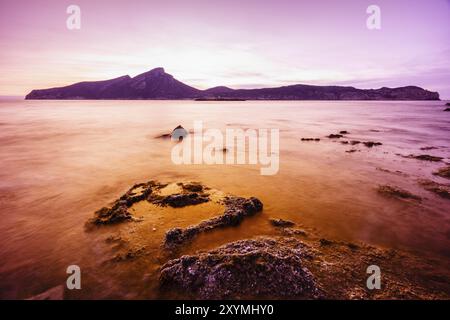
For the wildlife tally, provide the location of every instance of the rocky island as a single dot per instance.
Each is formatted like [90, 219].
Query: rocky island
[157, 84]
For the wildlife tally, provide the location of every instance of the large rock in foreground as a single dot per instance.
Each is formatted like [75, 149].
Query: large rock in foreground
[261, 268]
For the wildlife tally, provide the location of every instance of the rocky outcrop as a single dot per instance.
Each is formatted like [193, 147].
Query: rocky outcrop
[157, 84]
[148, 191]
[258, 268]
[236, 209]
[118, 211]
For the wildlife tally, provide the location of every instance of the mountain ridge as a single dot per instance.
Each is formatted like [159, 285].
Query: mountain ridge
[156, 84]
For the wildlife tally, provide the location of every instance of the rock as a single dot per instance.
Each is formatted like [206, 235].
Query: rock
[370, 144]
[261, 268]
[397, 192]
[129, 255]
[424, 157]
[447, 109]
[118, 212]
[428, 148]
[281, 223]
[112, 215]
[351, 150]
[441, 190]
[183, 199]
[344, 132]
[335, 136]
[325, 242]
[294, 232]
[448, 104]
[443, 172]
[344, 142]
[193, 187]
[353, 142]
[352, 246]
[310, 139]
[236, 209]
[179, 133]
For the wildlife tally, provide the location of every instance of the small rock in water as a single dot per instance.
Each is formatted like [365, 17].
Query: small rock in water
[425, 157]
[179, 133]
[370, 144]
[441, 190]
[335, 136]
[281, 223]
[397, 192]
[443, 172]
[344, 132]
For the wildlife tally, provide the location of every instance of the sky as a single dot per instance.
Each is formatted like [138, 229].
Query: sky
[240, 44]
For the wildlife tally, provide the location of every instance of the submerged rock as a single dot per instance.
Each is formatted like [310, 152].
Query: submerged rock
[193, 186]
[310, 139]
[236, 209]
[397, 192]
[183, 199]
[281, 223]
[441, 190]
[344, 132]
[443, 172]
[118, 212]
[263, 268]
[447, 109]
[424, 157]
[428, 148]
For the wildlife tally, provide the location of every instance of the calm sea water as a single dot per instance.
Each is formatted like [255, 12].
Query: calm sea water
[62, 160]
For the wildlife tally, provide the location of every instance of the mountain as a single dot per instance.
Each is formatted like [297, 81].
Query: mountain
[157, 84]
[154, 84]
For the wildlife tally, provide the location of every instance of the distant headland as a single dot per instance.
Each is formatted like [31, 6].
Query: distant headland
[157, 84]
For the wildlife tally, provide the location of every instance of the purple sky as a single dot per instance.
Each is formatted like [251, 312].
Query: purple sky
[240, 44]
